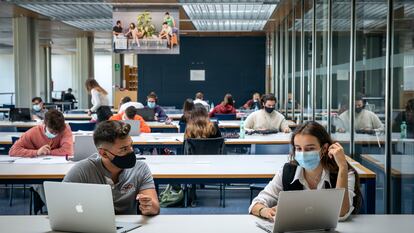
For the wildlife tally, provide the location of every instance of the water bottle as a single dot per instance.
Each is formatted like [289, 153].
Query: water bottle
[403, 128]
[242, 131]
[211, 105]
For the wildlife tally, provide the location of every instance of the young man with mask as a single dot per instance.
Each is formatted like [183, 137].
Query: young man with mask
[133, 188]
[267, 118]
[131, 114]
[53, 137]
[152, 100]
[38, 111]
[253, 103]
[364, 119]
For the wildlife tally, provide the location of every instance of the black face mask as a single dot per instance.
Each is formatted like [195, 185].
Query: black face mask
[124, 162]
[358, 109]
[269, 110]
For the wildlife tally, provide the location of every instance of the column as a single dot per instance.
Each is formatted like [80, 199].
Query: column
[84, 65]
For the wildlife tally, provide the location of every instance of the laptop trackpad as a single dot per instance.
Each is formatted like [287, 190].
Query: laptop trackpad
[122, 227]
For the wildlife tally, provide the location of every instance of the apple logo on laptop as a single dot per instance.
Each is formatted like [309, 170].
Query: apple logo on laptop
[79, 208]
[309, 210]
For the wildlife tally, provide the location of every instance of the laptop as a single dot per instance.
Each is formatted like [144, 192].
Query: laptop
[83, 147]
[135, 127]
[20, 114]
[306, 210]
[79, 207]
[147, 113]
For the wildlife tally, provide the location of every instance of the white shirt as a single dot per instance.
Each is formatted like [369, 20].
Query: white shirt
[98, 100]
[204, 103]
[363, 120]
[262, 120]
[123, 107]
[269, 195]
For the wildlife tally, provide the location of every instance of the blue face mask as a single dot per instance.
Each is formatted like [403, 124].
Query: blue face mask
[151, 104]
[308, 160]
[49, 134]
[36, 107]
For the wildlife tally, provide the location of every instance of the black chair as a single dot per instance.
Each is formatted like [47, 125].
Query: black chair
[204, 146]
[87, 126]
[225, 117]
[182, 125]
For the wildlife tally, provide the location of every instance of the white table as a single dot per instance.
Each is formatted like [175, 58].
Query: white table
[215, 224]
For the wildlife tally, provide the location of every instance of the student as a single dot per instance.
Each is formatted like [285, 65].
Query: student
[199, 99]
[133, 189]
[166, 33]
[169, 20]
[315, 163]
[99, 100]
[267, 118]
[365, 120]
[408, 117]
[253, 103]
[188, 106]
[117, 29]
[69, 97]
[152, 100]
[199, 124]
[135, 33]
[38, 110]
[131, 114]
[226, 107]
[290, 102]
[53, 137]
[127, 102]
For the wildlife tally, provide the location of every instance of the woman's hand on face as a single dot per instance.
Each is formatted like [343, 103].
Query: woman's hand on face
[336, 152]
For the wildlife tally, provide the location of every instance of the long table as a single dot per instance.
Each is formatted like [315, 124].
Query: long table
[187, 169]
[215, 223]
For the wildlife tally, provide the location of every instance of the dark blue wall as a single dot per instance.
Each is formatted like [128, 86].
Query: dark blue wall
[233, 65]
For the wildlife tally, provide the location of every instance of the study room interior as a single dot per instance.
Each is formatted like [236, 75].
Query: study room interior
[211, 116]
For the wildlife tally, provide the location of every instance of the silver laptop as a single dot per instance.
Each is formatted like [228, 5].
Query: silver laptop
[82, 208]
[306, 210]
[135, 127]
[83, 147]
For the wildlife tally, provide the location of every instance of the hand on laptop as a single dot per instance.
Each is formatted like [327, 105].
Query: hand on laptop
[145, 203]
[269, 213]
[44, 150]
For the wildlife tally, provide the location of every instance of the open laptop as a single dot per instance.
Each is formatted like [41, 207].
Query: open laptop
[83, 147]
[135, 127]
[147, 113]
[306, 210]
[20, 114]
[82, 208]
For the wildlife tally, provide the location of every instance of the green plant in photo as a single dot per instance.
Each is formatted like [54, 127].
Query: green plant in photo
[145, 24]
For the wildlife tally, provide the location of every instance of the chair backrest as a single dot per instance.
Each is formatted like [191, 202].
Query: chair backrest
[9, 106]
[8, 128]
[182, 125]
[224, 117]
[87, 126]
[14, 139]
[204, 146]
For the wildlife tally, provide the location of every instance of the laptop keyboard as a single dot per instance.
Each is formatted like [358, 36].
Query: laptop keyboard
[268, 227]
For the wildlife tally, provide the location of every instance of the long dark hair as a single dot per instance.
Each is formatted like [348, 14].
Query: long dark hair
[228, 100]
[187, 108]
[199, 124]
[319, 132]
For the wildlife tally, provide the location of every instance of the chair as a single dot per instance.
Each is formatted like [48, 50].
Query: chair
[225, 117]
[8, 128]
[183, 126]
[204, 146]
[87, 126]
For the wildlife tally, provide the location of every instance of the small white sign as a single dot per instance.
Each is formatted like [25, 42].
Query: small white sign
[197, 75]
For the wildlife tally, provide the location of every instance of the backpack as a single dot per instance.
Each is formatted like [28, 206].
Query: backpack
[171, 197]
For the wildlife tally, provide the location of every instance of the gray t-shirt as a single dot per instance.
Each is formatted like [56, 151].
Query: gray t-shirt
[130, 182]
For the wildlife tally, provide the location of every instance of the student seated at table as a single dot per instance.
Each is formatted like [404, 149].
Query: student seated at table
[226, 107]
[127, 102]
[131, 114]
[199, 124]
[316, 162]
[152, 101]
[267, 118]
[408, 117]
[253, 103]
[188, 106]
[38, 110]
[53, 137]
[365, 120]
[133, 189]
[199, 99]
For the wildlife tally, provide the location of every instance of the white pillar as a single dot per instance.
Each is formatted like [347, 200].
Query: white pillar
[83, 69]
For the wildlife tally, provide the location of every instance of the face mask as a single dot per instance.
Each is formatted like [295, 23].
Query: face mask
[358, 109]
[255, 101]
[49, 134]
[308, 160]
[269, 110]
[151, 104]
[126, 161]
[36, 107]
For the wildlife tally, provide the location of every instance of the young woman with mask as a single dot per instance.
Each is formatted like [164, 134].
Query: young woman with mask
[267, 118]
[152, 100]
[316, 162]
